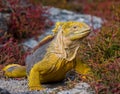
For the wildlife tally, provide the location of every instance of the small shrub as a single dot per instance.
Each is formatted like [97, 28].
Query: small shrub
[26, 19]
[12, 52]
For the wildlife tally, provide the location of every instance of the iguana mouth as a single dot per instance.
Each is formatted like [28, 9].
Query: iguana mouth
[79, 35]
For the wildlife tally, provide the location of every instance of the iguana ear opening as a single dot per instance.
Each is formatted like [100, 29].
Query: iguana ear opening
[57, 27]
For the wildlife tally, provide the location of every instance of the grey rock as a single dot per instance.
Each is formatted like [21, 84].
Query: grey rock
[20, 87]
[80, 88]
[67, 12]
[54, 11]
[65, 15]
[14, 86]
[80, 20]
[3, 91]
[31, 43]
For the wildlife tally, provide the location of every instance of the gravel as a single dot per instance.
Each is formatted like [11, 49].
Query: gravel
[21, 87]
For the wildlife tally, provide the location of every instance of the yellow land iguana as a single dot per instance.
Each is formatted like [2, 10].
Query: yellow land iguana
[61, 55]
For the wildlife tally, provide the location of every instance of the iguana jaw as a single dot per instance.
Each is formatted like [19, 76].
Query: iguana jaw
[79, 34]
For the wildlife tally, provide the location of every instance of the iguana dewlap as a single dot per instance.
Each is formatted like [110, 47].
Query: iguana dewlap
[61, 55]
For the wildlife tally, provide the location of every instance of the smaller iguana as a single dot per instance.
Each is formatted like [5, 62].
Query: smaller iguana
[61, 55]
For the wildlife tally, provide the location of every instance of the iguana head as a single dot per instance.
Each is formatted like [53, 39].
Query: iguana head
[67, 35]
[72, 29]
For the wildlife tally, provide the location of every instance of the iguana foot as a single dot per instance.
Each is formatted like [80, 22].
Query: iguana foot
[87, 77]
[36, 88]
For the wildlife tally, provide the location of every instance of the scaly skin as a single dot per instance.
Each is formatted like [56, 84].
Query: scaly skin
[61, 55]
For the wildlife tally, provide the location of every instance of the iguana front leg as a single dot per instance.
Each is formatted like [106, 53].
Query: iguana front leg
[38, 74]
[34, 78]
[82, 68]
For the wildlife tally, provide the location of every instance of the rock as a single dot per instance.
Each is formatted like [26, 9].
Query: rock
[31, 43]
[54, 11]
[81, 88]
[65, 15]
[14, 86]
[20, 87]
[3, 91]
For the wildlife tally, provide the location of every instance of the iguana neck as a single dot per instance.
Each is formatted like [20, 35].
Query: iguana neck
[63, 48]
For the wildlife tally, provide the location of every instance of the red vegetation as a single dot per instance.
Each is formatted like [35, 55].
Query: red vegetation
[101, 8]
[102, 53]
[27, 19]
[12, 52]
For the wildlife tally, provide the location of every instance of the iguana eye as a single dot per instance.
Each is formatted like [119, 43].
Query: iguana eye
[74, 27]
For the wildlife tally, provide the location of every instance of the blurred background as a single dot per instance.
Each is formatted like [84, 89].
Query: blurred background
[24, 19]
[102, 8]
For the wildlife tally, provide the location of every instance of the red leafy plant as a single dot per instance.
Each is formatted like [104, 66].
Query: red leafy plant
[102, 8]
[12, 52]
[26, 19]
